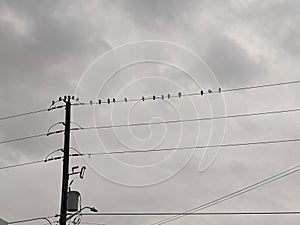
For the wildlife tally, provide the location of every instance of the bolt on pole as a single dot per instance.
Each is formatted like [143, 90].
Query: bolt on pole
[65, 175]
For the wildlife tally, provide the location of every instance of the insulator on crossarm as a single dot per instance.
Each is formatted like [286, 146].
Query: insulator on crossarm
[220, 89]
[108, 101]
[91, 102]
[143, 98]
[53, 102]
[209, 91]
[169, 96]
[59, 99]
[201, 92]
[125, 99]
[153, 97]
[162, 97]
[114, 100]
[99, 101]
[179, 94]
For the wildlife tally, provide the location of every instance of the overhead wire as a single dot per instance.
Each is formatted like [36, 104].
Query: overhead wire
[130, 151]
[30, 137]
[23, 138]
[234, 194]
[193, 211]
[151, 97]
[33, 219]
[214, 202]
[21, 164]
[156, 123]
[30, 113]
[262, 86]
[157, 150]
[191, 214]
[189, 120]
[179, 94]
[23, 114]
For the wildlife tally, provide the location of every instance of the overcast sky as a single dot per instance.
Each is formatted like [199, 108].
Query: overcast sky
[134, 48]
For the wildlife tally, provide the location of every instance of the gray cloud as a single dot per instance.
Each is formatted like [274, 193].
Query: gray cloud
[230, 62]
[156, 14]
[45, 47]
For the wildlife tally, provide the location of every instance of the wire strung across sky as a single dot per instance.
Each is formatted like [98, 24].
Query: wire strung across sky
[31, 137]
[47, 218]
[180, 94]
[193, 212]
[238, 213]
[23, 114]
[158, 97]
[262, 86]
[30, 113]
[22, 164]
[190, 120]
[23, 138]
[128, 151]
[234, 194]
[156, 123]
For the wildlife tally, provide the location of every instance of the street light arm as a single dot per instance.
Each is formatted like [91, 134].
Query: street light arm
[87, 207]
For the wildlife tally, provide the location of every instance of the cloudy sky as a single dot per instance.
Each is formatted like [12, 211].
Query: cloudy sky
[134, 48]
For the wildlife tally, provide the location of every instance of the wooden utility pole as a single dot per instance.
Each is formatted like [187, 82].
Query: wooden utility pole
[65, 175]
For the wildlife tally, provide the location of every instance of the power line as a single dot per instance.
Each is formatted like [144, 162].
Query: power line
[190, 120]
[157, 150]
[156, 97]
[190, 214]
[21, 164]
[23, 138]
[33, 219]
[179, 95]
[263, 86]
[129, 151]
[23, 114]
[203, 206]
[29, 113]
[30, 137]
[156, 123]
[233, 194]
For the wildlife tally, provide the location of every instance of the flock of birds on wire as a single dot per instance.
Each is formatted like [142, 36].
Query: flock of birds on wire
[143, 98]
